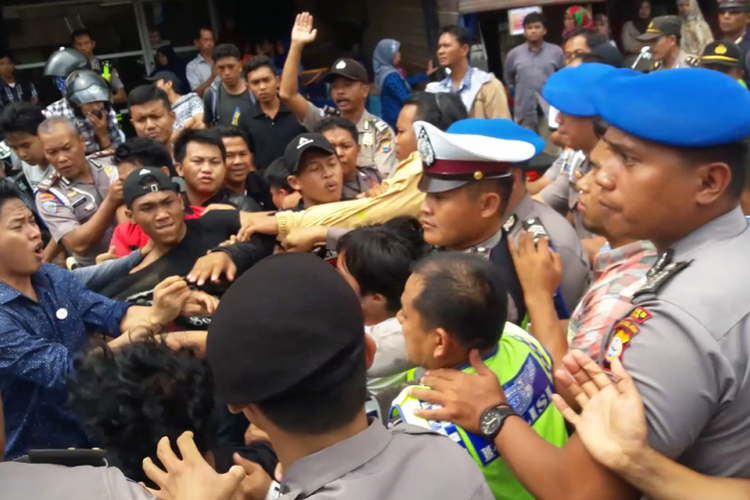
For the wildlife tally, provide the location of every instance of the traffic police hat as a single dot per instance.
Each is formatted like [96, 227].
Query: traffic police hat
[661, 26]
[288, 326]
[569, 90]
[653, 107]
[472, 150]
[721, 52]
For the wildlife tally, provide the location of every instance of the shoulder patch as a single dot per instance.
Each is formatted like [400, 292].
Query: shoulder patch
[625, 330]
[48, 203]
[385, 147]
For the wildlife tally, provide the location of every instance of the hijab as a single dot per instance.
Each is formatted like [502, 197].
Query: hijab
[641, 24]
[174, 65]
[581, 18]
[382, 60]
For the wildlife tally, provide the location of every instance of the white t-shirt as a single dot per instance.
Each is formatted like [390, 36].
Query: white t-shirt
[390, 365]
[34, 174]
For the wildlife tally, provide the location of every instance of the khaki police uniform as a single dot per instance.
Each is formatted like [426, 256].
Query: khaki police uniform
[64, 204]
[375, 138]
[575, 262]
[562, 194]
[684, 60]
[686, 342]
[404, 462]
[364, 178]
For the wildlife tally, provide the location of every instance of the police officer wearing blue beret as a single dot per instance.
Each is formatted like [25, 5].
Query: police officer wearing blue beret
[673, 176]
[476, 196]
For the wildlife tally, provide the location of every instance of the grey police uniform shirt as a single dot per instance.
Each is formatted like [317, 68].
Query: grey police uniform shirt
[406, 462]
[363, 179]
[68, 203]
[375, 138]
[684, 60]
[686, 342]
[562, 194]
[57, 482]
[575, 261]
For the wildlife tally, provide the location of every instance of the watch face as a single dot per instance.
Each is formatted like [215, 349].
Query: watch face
[491, 421]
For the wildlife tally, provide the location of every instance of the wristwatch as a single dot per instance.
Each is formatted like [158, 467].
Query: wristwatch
[493, 419]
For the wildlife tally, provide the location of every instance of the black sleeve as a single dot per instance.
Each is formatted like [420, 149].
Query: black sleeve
[208, 107]
[248, 253]
[249, 205]
[223, 222]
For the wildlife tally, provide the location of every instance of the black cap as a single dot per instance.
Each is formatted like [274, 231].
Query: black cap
[349, 69]
[609, 54]
[661, 26]
[304, 142]
[167, 76]
[146, 180]
[721, 52]
[735, 5]
[289, 325]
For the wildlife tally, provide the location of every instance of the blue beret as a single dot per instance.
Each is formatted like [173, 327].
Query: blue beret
[569, 90]
[498, 128]
[686, 107]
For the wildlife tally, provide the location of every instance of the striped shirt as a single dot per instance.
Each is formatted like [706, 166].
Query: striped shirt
[618, 273]
[16, 92]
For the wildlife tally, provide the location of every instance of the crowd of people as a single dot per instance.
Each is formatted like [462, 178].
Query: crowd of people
[257, 298]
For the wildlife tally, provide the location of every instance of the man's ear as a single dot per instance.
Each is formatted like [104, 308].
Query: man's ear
[491, 204]
[129, 214]
[443, 343]
[166, 171]
[293, 182]
[178, 169]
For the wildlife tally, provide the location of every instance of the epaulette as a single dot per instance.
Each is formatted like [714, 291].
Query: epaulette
[330, 111]
[693, 61]
[380, 125]
[97, 164]
[657, 65]
[48, 181]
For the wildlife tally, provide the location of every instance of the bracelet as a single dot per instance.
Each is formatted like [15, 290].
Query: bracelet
[274, 491]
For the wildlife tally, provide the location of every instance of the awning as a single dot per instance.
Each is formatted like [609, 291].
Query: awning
[473, 6]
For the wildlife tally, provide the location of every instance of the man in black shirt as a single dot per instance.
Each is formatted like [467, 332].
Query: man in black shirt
[271, 125]
[225, 103]
[154, 203]
[200, 158]
[242, 177]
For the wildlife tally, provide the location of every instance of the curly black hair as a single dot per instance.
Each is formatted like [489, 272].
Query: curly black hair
[131, 398]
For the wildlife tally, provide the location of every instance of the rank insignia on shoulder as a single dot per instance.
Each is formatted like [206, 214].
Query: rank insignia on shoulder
[659, 278]
[48, 181]
[381, 126]
[510, 223]
[535, 227]
[692, 61]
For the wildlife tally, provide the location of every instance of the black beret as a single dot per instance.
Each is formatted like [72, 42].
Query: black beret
[289, 322]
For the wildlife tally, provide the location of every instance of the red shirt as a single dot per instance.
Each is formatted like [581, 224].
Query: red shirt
[128, 236]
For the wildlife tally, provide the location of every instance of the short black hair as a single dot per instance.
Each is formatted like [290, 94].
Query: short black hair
[334, 122]
[8, 191]
[588, 57]
[534, 17]
[206, 137]
[593, 39]
[463, 293]
[80, 32]
[462, 34]
[21, 117]
[203, 28]
[735, 155]
[439, 109]
[257, 62]
[224, 50]
[276, 175]
[148, 93]
[131, 398]
[380, 257]
[229, 131]
[144, 152]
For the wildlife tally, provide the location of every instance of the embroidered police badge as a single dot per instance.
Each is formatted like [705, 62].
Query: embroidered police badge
[424, 146]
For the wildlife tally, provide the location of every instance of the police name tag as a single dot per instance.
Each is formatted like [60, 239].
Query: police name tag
[368, 139]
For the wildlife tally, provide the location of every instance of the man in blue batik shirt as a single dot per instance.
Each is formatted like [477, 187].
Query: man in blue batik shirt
[45, 316]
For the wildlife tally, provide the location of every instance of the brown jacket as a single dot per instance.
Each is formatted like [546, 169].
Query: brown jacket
[491, 101]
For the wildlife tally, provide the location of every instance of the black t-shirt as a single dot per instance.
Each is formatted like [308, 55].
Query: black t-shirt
[201, 235]
[267, 138]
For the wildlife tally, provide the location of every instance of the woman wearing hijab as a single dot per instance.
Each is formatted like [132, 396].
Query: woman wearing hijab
[393, 86]
[631, 30]
[168, 60]
[695, 31]
[576, 17]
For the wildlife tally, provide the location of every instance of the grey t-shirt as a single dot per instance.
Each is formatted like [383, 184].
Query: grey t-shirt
[222, 108]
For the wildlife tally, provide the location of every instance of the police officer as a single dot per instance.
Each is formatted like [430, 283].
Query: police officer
[78, 199]
[349, 90]
[87, 101]
[724, 57]
[733, 23]
[476, 196]
[300, 374]
[673, 176]
[663, 36]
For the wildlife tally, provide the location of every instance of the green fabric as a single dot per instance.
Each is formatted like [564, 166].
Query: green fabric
[519, 359]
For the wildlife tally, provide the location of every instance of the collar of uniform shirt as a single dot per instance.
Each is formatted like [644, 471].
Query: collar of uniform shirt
[309, 474]
[725, 227]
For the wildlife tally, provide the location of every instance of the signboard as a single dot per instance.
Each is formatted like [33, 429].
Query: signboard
[516, 17]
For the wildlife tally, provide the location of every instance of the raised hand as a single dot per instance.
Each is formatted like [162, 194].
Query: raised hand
[303, 32]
